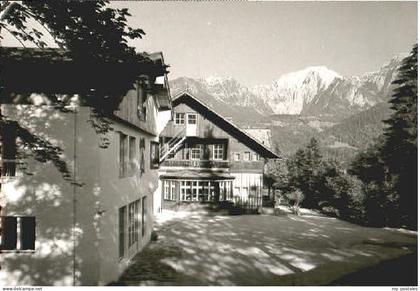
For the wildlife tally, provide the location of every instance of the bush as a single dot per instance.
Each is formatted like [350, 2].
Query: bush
[294, 199]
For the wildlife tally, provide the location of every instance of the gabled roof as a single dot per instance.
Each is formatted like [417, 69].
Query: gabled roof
[223, 123]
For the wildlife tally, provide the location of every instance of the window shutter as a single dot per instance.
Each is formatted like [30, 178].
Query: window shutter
[27, 233]
[9, 233]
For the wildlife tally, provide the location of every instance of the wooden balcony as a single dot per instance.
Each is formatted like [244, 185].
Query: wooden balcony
[196, 163]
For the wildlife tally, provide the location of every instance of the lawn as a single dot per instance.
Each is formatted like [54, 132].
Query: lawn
[206, 248]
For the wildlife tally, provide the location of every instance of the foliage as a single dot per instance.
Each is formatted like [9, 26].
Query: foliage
[400, 146]
[275, 173]
[305, 170]
[388, 168]
[294, 199]
[89, 31]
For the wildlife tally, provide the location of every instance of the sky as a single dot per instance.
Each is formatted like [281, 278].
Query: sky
[256, 42]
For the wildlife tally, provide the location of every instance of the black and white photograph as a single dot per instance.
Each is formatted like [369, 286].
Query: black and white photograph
[208, 143]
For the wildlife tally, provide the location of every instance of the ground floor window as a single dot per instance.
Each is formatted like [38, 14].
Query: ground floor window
[169, 190]
[121, 229]
[17, 233]
[143, 215]
[226, 190]
[196, 190]
[133, 222]
[130, 218]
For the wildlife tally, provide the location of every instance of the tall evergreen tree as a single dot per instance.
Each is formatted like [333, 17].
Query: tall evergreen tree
[400, 146]
[305, 168]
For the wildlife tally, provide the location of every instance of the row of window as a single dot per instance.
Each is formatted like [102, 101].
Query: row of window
[196, 152]
[246, 156]
[180, 118]
[131, 223]
[197, 190]
[217, 152]
[199, 152]
[17, 233]
[132, 160]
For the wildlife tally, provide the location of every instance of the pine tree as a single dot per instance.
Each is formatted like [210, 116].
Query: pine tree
[305, 171]
[400, 147]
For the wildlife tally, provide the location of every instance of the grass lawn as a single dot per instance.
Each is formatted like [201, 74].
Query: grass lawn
[204, 248]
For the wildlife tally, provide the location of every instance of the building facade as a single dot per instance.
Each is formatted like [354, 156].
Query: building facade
[82, 228]
[206, 158]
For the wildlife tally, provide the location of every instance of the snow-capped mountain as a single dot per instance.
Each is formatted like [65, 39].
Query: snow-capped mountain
[292, 91]
[313, 91]
[346, 96]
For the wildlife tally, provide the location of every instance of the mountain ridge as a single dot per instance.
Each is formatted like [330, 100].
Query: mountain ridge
[312, 91]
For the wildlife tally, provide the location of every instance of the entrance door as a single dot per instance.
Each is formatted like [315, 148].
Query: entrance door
[192, 122]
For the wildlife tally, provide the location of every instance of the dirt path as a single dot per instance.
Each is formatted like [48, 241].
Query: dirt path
[201, 248]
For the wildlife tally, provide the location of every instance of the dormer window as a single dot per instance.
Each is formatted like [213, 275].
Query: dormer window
[179, 118]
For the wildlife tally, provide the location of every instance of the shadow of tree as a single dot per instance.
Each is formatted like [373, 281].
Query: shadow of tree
[246, 250]
[51, 199]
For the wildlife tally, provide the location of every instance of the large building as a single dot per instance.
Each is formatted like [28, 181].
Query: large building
[80, 227]
[205, 157]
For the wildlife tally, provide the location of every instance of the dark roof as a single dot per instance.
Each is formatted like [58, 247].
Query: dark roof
[54, 70]
[224, 124]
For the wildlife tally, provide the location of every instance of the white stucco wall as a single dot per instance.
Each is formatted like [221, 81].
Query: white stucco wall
[88, 253]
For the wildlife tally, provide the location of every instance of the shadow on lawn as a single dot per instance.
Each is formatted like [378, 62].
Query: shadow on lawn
[261, 250]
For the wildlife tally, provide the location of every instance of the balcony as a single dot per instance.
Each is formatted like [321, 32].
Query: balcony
[196, 163]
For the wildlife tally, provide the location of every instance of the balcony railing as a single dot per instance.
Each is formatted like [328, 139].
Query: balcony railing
[196, 163]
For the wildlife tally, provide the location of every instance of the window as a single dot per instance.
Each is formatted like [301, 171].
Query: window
[237, 156]
[123, 155]
[179, 118]
[166, 190]
[121, 229]
[185, 190]
[173, 189]
[194, 190]
[228, 186]
[255, 157]
[195, 152]
[143, 215]
[203, 194]
[133, 222]
[192, 118]
[141, 101]
[127, 159]
[247, 156]
[169, 190]
[154, 155]
[132, 155]
[225, 190]
[8, 151]
[142, 149]
[17, 233]
[218, 152]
